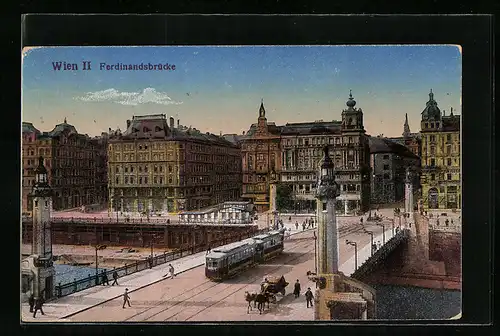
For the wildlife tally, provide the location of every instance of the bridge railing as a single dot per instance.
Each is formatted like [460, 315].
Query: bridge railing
[109, 220]
[379, 256]
[77, 285]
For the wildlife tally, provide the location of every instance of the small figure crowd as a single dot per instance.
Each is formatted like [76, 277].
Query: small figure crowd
[306, 224]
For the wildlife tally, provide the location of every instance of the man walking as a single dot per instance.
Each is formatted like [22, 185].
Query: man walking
[115, 278]
[170, 271]
[296, 225]
[38, 306]
[126, 298]
[309, 297]
[296, 289]
[31, 302]
[104, 279]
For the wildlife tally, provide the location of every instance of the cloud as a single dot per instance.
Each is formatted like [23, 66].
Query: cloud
[148, 95]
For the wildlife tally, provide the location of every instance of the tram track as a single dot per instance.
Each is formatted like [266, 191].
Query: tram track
[190, 290]
[348, 231]
[247, 282]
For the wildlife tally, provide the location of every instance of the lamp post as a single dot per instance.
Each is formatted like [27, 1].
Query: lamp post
[315, 253]
[97, 247]
[371, 240]
[348, 242]
[383, 231]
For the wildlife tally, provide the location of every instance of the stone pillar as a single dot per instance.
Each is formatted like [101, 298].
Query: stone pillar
[327, 237]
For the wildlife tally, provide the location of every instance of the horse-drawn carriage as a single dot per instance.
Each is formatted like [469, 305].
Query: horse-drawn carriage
[268, 290]
[274, 285]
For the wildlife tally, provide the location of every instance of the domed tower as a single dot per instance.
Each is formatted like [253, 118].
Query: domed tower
[352, 117]
[431, 115]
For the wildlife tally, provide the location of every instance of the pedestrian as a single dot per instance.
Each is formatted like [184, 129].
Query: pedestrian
[309, 297]
[171, 271]
[208, 249]
[378, 245]
[104, 278]
[303, 226]
[38, 306]
[374, 246]
[31, 302]
[289, 218]
[296, 289]
[115, 278]
[126, 298]
[296, 225]
[446, 222]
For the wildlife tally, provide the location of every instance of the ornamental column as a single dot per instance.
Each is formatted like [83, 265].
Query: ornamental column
[327, 240]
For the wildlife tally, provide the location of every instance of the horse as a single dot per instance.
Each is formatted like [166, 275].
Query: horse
[262, 299]
[250, 297]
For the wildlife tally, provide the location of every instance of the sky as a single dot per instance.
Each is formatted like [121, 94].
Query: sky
[219, 89]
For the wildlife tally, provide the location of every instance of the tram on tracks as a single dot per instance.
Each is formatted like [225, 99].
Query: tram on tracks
[227, 261]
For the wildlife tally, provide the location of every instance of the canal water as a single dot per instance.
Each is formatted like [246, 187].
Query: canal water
[411, 303]
[68, 273]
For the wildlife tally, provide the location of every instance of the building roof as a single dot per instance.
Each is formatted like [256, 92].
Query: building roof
[313, 128]
[384, 145]
[29, 128]
[431, 111]
[233, 138]
[451, 123]
[156, 127]
[61, 128]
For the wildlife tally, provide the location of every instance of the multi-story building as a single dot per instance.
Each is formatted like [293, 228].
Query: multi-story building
[294, 150]
[411, 140]
[260, 159]
[70, 159]
[101, 164]
[156, 167]
[441, 175]
[389, 162]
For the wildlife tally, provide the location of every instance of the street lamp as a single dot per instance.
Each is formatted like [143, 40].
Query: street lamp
[371, 240]
[383, 231]
[315, 253]
[97, 247]
[348, 242]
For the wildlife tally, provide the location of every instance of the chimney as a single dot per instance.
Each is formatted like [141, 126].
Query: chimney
[128, 123]
[177, 123]
[172, 122]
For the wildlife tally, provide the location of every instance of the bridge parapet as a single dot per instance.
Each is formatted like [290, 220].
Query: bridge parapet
[373, 262]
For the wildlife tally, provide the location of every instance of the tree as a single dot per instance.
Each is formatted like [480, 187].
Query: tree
[284, 197]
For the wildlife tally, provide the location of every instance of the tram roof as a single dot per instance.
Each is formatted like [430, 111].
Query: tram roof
[232, 246]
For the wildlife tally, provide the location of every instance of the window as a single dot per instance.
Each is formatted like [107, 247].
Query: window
[386, 167]
[448, 176]
[448, 162]
[386, 156]
[433, 177]
[145, 180]
[387, 176]
[448, 137]
[433, 162]
[433, 150]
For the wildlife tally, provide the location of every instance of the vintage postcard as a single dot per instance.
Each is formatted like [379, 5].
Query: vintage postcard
[241, 183]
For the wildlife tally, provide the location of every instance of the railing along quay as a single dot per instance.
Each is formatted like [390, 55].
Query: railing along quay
[65, 289]
[164, 221]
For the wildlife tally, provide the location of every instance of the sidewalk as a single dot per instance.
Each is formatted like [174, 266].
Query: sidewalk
[363, 254]
[67, 306]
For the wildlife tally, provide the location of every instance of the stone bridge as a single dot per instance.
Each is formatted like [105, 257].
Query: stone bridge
[422, 254]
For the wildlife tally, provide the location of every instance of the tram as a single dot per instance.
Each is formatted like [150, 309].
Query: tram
[226, 261]
[269, 245]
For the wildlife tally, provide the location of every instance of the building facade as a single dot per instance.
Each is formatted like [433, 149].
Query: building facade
[389, 162]
[72, 165]
[294, 151]
[155, 167]
[260, 159]
[441, 174]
